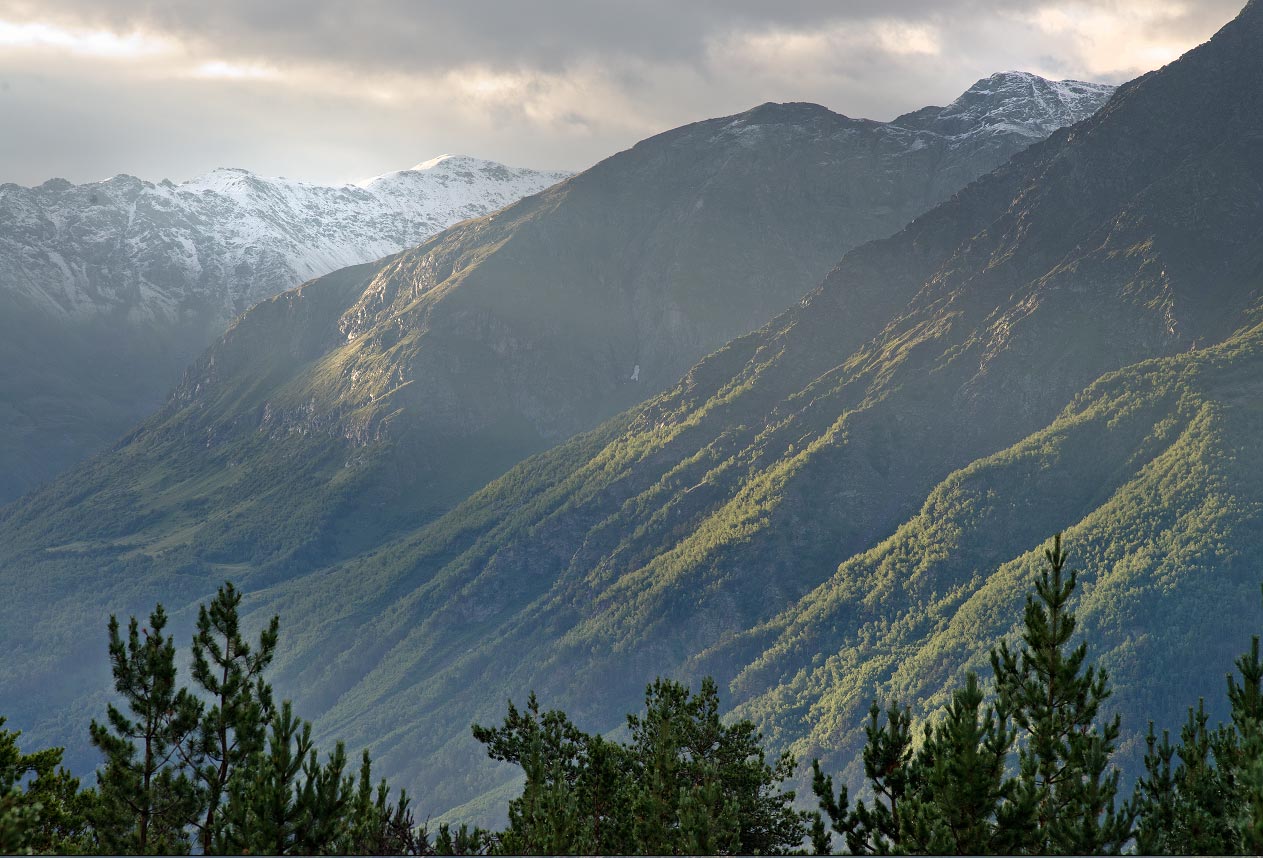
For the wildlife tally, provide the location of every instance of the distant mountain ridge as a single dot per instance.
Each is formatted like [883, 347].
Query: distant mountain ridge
[1011, 102]
[224, 241]
[109, 289]
[336, 418]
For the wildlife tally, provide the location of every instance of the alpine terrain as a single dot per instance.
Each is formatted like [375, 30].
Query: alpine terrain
[109, 289]
[846, 504]
[323, 452]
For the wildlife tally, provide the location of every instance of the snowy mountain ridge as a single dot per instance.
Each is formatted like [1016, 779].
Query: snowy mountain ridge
[1010, 102]
[221, 242]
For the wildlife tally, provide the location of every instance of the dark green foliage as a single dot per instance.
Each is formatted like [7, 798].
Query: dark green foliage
[284, 801]
[685, 783]
[1246, 698]
[835, 807]
[966, 804]
[875, 827]
[456, 841]
[378, 827]
[146, 794]
[684, 758]
[959, 792]
[1205, 796]
[231, 673]
[1054, 698]
[1195, 806]
[16, 820]
[949, 796]
[41, 807]
[239, 775]
[574, 784]
[264, 811]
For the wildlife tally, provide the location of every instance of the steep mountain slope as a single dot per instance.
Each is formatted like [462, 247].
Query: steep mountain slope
[1153, 472]
[703, 531]
[333, 416]
[109, 289]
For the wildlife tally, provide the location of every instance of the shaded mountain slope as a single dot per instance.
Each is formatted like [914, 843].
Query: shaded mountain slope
[109, 289]
[658, 542]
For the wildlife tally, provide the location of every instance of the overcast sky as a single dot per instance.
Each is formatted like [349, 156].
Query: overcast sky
[338, 91]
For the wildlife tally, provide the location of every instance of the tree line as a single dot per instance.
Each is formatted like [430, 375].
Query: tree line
[1020, 764]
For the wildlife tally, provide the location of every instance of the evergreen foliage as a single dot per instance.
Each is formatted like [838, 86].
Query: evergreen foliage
[1204, 796]
[1024, 770]
[966, 804]
[230, 672]
[1054, 697]
[284, 801]
[951, 795]
[146, 793]
[237, 776]
[959, 792]
[685, 783]
[41, 807]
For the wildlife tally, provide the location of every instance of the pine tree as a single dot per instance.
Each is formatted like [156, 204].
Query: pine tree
[1246, 698]
[560, 810]
[146, 797]
[889, 767]
[685, 781]
[710, 822]
[547, 819]
[679, 745]
[17, 820]
[284, 801]
[1211, 800]
[325, 803]
[231, 673]
[41, 807]
[1055, 697]
[834, 806]
[459, 841]
[1156, 797]
[965, 804]
[19, 811]
[1192, 807]
[376, 826]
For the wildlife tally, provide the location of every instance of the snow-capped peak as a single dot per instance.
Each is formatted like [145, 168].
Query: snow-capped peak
[228, 238]
[1012, 102]
[434, 162]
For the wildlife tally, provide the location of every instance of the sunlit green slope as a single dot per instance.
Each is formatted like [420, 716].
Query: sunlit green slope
[1156, 477]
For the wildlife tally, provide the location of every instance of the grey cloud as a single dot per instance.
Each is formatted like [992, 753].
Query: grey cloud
[548, 35]
[593, 76]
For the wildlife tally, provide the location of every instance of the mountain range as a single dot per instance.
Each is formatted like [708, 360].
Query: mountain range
[331, 451]
[849, 504]
[109, 289]
[845, 505]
